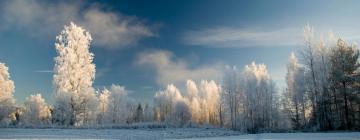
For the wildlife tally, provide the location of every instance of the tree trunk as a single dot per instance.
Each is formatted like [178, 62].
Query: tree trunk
[346, 106]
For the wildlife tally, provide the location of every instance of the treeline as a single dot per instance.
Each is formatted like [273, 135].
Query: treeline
[321, 93]
[323, 88]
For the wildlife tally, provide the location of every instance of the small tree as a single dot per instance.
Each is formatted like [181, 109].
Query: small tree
[148, 113]
[37, 112]
[102, 116]
[139, 116]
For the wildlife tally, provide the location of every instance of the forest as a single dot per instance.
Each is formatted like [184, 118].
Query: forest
[321, 93]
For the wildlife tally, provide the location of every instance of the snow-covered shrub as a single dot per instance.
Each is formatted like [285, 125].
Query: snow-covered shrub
[37, 112]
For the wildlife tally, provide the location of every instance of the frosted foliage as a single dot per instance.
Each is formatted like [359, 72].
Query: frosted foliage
[170, 94]
[191, 89]
[259, 71]
[74, 70]
[210, 97]
[293, 59]
[104, 100]
[7, 102]
[7, 87]
[37, 112]
[308, 33]
[194, 104]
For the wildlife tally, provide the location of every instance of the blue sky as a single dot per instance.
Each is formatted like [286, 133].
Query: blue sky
[144, 45]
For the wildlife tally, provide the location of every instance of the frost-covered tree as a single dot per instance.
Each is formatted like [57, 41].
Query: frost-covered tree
[251, 99]
[209, 101]
[165, 101]
[182, 112]
[233, 95]
[315, 59]
[37, 112]
[260, 101]
[7, 102]
[74, 73]
[295, 97]
[117, 105]
[308, 53]
[103, 106]
[194, 104]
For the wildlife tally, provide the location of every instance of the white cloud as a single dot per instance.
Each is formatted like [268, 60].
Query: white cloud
[42, 19]
[223, 37]
[176, 71]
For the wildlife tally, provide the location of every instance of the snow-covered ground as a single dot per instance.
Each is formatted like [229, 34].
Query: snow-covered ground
[288, 136]
[169, 133]
[127, 134]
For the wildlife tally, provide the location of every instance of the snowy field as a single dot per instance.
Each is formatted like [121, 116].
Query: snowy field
[287, 136]
[170, 133]
[126, 134]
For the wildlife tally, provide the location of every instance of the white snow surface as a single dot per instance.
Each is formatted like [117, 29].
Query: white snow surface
[287, 136]
[166, 133]
[123, 134]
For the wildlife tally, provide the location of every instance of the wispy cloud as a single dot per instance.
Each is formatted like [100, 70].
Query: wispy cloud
[44, 71]
[222, 37]
[242, 37]
[41, 19]
[174, 70]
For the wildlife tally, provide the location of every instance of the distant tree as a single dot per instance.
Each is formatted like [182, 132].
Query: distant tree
[148, 113]
[165, 101]
[102, 117]
[210, 100]
[182, 112]
[37, 112]
[260, 99]
[193, 97]
[139, 116]
[117, 107]
[7, 102]
[233, 96]
[251, 100]
[74, 73]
